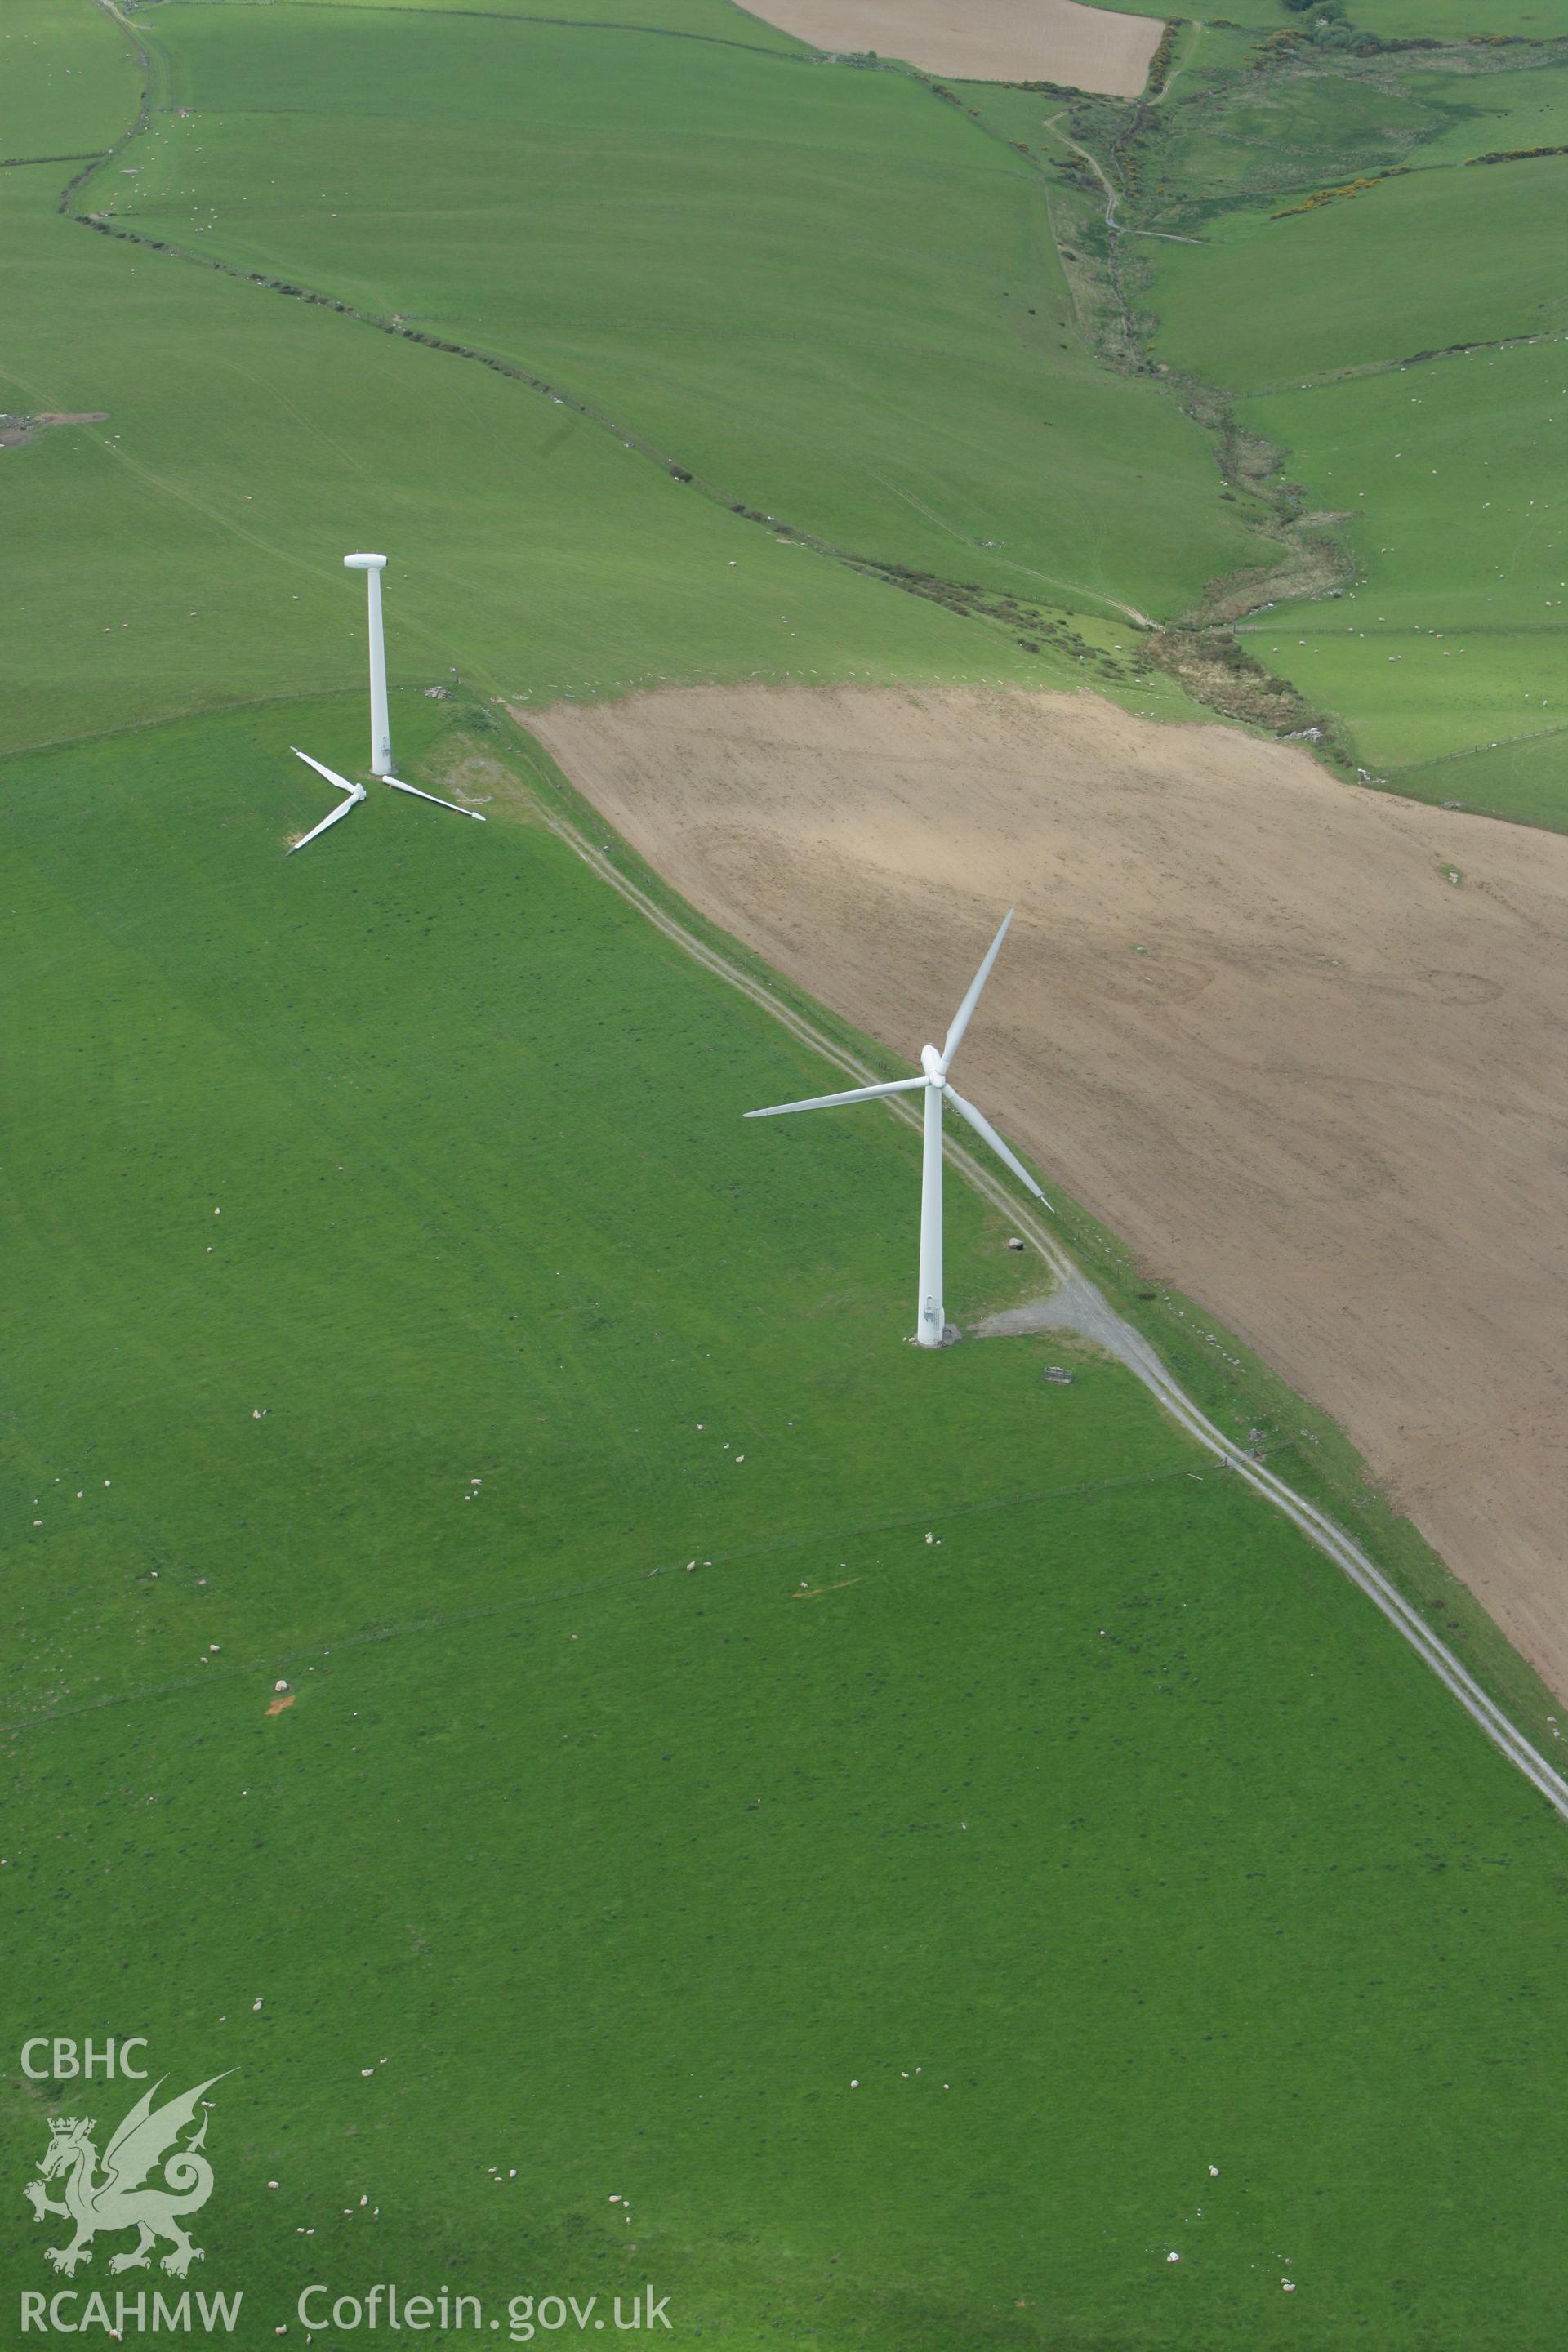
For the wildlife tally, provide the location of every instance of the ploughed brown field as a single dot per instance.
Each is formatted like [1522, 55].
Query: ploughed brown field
[1304, 1046]
[982, 40]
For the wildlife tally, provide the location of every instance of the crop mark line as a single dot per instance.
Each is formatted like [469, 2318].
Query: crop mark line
[928, 1515]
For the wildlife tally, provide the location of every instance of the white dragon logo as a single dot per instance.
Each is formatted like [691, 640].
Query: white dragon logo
[118, 2200]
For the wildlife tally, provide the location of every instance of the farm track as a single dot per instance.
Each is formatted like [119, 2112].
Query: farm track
[1095, 1317]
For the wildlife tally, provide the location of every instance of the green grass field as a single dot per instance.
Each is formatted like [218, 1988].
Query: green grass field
[1462, 558]
[1235, 134]
[1227, 132]
[994, 1869]
[1521, 777]
[1416, 264]
[67, 86]
[1439, 479]
[709, 245]
[1492, 113]
[698, 19]
[190, 549]
[1110, 1839]
[1397, 20]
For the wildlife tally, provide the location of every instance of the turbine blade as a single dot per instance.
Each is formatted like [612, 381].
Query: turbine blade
[961, 1018]
[333, 817]
[1009, 1158]
[826, 1102]
[331, 775]
[399, 786]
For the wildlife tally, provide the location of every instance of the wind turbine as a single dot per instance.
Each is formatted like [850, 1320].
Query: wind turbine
[373, 566]
[930, 1324]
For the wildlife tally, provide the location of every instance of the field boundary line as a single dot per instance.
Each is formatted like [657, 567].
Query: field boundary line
[519, 371]
[1098, 1320]
[82, 155]
[1361, 368]
[1474, 751]
[803, 57]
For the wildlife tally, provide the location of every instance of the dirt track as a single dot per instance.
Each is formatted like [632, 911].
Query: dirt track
[1243, 1013]
[995, 40]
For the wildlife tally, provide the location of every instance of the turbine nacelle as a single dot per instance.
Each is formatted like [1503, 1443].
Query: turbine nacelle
[931, 1064]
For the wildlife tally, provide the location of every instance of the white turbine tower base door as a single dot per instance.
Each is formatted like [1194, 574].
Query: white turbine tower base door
[373, 566]
[929, 1321]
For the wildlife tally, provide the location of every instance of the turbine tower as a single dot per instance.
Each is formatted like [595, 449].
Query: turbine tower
[930, 1324]
[373, 566]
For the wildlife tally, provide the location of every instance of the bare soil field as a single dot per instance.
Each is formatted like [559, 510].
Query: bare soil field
[997, 40]
[1304, 1046]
